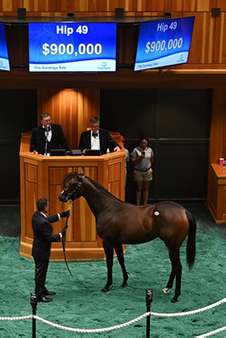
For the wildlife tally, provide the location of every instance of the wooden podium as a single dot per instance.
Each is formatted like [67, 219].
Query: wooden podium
[41, 176]
[217, 192]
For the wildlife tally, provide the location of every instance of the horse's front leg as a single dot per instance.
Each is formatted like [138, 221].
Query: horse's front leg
[108, 248]
[120, 256]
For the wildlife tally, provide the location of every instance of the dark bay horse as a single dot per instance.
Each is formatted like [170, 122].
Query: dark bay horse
[120, 223]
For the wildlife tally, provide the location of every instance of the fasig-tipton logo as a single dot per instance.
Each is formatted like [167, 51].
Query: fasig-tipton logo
[3, 65]
[103, 66]
[181, 58]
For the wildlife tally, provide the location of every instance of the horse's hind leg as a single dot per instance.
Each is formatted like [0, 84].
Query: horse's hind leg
[119, 252]
[176, 272]
[108, 248]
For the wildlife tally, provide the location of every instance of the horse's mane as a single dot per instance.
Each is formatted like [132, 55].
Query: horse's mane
[103, 189]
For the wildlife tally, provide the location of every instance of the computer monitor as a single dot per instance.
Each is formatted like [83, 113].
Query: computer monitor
[57, 152]
[4, 57]
[164, 43]
[74, 152]
[93, 152]
[72, 46]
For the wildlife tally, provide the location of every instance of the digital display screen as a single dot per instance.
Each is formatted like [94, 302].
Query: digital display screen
[4, 58]
[72, 47]
[164, 43]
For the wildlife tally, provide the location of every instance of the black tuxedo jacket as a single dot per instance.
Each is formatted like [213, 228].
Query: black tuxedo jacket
[58, 140]
[43, 236]
[106, 141]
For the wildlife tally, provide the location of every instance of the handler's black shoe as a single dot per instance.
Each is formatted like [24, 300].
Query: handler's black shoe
[45, 299]
[50, 293]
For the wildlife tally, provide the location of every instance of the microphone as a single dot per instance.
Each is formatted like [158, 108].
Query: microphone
[47, 129]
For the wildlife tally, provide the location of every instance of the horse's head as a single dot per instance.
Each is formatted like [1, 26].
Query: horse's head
[71, 184]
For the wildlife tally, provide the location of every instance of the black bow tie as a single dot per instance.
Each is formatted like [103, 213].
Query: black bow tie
[94, 134]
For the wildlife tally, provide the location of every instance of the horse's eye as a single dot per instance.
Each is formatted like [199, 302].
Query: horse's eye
[72, 182]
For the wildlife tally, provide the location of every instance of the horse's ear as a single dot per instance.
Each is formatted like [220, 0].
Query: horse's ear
[82, 171]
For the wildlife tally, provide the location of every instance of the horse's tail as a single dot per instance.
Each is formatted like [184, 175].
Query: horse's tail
[191, 239]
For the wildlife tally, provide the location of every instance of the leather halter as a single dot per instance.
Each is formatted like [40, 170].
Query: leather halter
[64, 246]
[79, 184]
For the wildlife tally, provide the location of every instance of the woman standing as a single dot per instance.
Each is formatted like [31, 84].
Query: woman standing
[142, 157]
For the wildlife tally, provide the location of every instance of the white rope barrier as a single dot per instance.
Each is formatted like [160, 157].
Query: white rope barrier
[212, 332]
[112, 328]
[181, 314]
[116, 327]
[16, 318]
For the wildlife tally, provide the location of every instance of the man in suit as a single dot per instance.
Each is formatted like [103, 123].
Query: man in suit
[47, 136]
[43, 239]
[97, 138]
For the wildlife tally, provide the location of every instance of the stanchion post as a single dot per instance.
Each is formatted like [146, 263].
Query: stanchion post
[34, 301]
[149, 294]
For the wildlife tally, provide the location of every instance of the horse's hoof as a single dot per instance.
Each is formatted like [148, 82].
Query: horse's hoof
[124, 285]
[166, 290]
[105, 289]
[174, 300]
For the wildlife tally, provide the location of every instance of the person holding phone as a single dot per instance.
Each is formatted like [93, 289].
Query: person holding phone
[142, 158]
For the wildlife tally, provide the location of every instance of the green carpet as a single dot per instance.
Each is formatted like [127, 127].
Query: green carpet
[80, 304]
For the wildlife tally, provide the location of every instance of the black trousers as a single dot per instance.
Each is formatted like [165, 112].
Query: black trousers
[40, 277]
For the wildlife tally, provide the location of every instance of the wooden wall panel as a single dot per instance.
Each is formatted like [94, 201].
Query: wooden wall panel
[114, 172]
[114, 188]
[104, 7]
[90, 5]
[71, 108]
[220, 39]
[56, 206]
[35, 5]
[56, 175]
[11, 5]
[31, 173]
[31, 196]
[82, 213]
[221, 4]
[191, 5]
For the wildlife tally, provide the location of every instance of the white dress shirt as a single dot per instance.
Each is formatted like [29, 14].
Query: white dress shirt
[48, 134]
[95, 141]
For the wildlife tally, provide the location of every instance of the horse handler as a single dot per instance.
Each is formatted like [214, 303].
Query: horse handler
[43, 238]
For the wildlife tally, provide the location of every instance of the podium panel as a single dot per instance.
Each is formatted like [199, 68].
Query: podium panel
[217, 193]
[41, 176]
